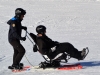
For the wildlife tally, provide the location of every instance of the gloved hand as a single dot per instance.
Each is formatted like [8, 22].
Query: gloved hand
[35, 48]
[23, 38]
[25, 28]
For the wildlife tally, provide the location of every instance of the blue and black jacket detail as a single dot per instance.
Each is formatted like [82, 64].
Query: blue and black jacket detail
[15, 29]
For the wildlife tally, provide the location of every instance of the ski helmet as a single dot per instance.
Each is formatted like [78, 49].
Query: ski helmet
[40, 29]
[19, 12]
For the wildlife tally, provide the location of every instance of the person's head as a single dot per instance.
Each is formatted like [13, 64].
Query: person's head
[41, 29]
[19, 13]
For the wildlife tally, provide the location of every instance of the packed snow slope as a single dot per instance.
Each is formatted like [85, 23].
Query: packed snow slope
[74, 21]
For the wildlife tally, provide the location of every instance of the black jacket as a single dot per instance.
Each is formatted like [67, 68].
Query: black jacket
[15, 29]
[45, 44]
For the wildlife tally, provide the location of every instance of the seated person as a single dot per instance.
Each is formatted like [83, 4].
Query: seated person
[51, 48]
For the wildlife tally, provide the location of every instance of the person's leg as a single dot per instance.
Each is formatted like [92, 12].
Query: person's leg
[70, 49]
[15, 54]
[19, 52]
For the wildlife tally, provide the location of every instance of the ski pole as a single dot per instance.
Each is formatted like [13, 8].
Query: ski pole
[33, 44]
[28, 37]
[30, 40]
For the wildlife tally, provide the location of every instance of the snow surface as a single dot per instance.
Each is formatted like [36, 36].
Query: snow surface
[74, 21]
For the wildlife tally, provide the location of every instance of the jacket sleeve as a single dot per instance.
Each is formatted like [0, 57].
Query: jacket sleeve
[24, 27]
[14, 31]
[33, 36]
[51, 42]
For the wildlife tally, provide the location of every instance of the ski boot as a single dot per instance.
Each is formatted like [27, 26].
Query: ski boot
[20, 66]
[44, 65]
[84, 53]
[55, 63]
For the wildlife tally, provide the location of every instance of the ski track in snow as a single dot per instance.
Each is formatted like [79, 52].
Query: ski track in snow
[1, 58]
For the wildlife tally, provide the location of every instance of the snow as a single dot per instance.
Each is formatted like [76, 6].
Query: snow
[74, 21]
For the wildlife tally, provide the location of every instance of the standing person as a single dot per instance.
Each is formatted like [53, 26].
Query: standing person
[47, 46]
[14, 37]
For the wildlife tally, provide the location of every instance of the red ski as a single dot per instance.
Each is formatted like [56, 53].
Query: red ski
[76, 66]
[70, 67]
[26, 68]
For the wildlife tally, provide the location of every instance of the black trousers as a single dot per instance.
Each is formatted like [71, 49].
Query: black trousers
[65, 47]
[19, 51]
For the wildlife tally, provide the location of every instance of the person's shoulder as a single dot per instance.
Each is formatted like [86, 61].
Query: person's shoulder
[13, 19]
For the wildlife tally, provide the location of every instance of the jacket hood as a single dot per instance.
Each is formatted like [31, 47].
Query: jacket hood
[13, 19]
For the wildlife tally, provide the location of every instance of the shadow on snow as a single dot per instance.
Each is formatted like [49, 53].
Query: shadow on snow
[90, 63]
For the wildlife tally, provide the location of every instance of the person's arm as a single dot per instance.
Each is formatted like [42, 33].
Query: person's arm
[24, 27]
[51, 42]
[33, 36]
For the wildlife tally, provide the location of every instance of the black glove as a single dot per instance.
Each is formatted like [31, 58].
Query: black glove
[35, 48]
[23, 38]
[25, 28]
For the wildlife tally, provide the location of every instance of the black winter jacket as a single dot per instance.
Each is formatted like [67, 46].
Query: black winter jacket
[15, 29]
[45, 44]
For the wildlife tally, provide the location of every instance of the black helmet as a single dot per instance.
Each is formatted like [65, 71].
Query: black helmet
[19, 12]
[40, 29]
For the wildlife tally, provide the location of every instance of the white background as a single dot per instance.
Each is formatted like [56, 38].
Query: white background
[74, 21]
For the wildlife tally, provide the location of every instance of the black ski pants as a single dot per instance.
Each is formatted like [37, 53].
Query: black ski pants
[19, 52]
[68, 48]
